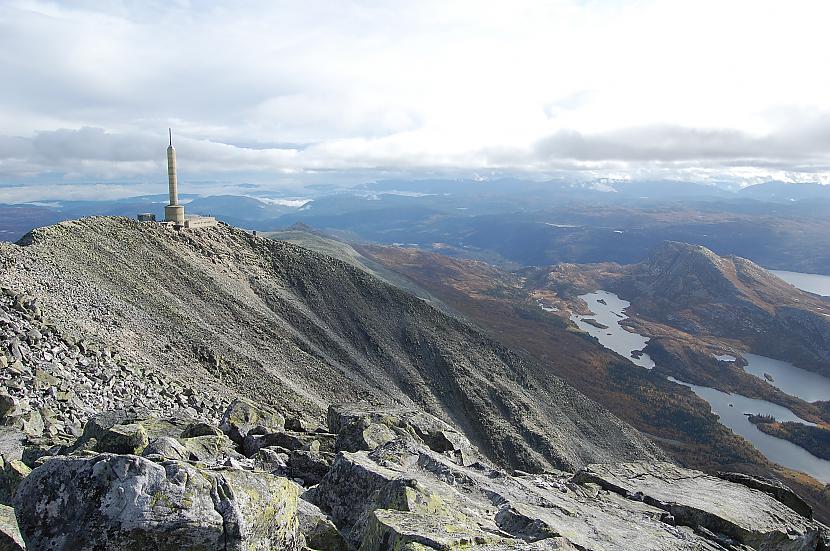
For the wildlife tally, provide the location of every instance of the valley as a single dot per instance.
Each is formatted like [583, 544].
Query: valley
[528, 309]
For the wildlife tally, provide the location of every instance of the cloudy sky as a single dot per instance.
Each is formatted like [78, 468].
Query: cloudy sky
[282, 94]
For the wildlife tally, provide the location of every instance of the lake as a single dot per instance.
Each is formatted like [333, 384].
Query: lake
[793, 380]
[780, 451]
[813, 283]
[609, 310]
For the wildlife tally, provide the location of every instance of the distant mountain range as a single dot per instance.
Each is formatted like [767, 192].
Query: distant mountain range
[515, 222]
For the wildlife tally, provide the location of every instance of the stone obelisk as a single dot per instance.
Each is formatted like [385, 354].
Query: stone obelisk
[174, 212]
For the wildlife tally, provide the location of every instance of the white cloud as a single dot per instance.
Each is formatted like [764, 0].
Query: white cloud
[706, 89]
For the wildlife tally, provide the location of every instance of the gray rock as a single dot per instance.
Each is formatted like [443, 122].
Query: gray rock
[131, 438]
[12, 474]
[8, 406]
[309, 466]
[30, 423]
[101, 422]
[298, 424]
[132, 504]
[346, 492]
[406, 493]
[318, 529]
[11, 444]
[272, 461]
[774, 488]
[693, 498]
[10, 538]
[360, 426]
[201, 429]
[166, 447]
[289, 441]
[210, 449]
[243, 417]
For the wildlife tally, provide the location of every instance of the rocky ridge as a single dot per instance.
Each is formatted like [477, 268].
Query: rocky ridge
[226, 313]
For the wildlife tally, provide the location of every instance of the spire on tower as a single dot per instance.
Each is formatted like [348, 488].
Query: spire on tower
[170, 130]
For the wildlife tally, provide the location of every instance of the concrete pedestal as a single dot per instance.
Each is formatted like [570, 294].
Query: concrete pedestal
[174, 213]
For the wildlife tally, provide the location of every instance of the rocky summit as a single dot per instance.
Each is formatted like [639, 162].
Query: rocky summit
[207, 389]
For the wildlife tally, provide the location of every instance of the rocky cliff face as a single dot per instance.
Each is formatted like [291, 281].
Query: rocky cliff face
[179, 390]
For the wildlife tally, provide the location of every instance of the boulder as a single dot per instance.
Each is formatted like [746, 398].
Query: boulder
[166, 447]
[243, 417]
[318, 529]
[738, 512]
[774, 488]
[97, 425]
[11, 444]
[270, 460]
[100, 423]
[310, 467]
[130, 503]
[211, 449]
[348, 489]
[289, 441]
[11, 475]
[406, 493]
[131, 438]
[9, 406]
[10, 538]
[391, 529]
[30, 423]
[363, 435]
[201, 429]
[360, 426]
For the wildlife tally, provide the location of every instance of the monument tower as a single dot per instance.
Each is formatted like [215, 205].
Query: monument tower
[174, 212]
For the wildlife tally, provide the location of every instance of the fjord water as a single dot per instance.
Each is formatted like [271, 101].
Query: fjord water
[812, 283]
[775, 449]
[794, 381]
[610, 312]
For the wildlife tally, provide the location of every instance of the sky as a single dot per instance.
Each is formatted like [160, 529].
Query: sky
[279, 95]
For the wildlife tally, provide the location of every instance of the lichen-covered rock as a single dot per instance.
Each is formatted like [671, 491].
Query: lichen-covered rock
[10, 538]
[360, 426]
[166, 447]
[310, 467]
[131, 438]
[318, 529]
[391, 529]
[243, 417]
[128, 503]
[404, 495]
[289, 441]
[201, 429]
[210, 449]
[349, 487]
[11, 475]
[271, 461]
[11, 444]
